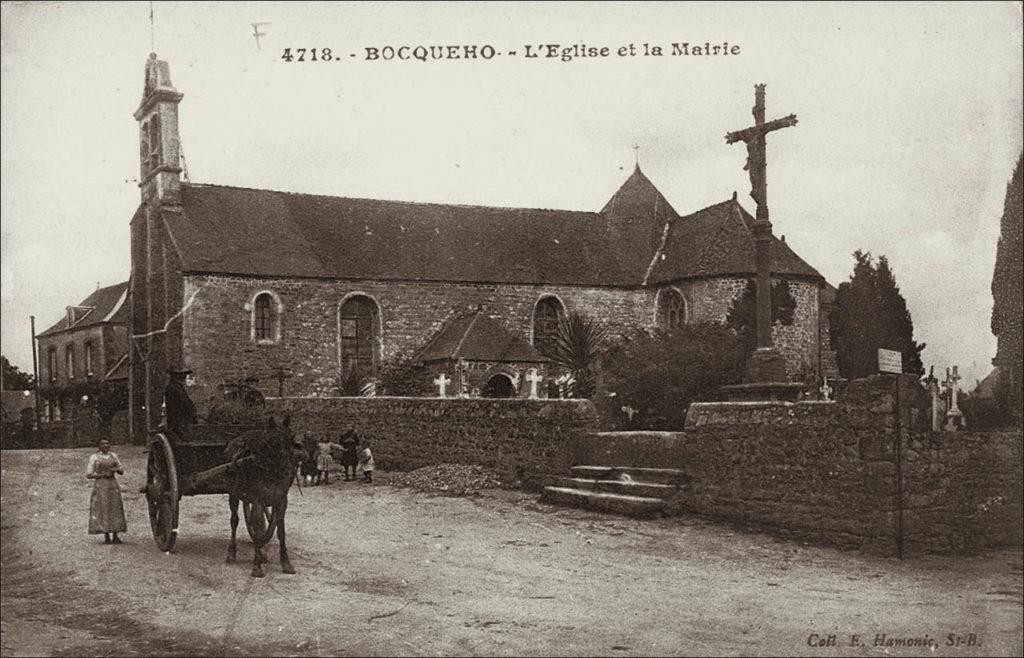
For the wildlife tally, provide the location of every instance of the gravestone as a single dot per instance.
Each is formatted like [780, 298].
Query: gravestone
[534, 378]
[954, 418]
[442, 381]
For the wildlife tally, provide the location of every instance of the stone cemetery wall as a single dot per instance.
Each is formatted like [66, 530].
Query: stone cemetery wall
[828, 471]
[522, 440]
[962, 490]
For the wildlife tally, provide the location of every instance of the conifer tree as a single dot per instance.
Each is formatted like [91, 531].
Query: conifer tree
[1008, 299]
[870, 313]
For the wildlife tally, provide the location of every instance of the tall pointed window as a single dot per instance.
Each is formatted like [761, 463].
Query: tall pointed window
[357, 333]
[672, 310]
[545, 323]
[51, 365]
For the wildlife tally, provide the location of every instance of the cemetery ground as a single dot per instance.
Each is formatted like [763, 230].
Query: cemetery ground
[384, 570]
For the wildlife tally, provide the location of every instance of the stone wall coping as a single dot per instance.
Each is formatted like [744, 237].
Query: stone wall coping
[359, 399]
[759, 404]
[638, 433]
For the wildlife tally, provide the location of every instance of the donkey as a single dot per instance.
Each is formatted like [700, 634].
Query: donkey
[271, 457]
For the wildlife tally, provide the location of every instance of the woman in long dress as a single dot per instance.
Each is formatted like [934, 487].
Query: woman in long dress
[106, 509]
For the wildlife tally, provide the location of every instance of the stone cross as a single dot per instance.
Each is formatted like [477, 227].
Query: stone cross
[463, 387]
[954, 419]
[534, 378]
[938, 408]
[442, 382]
[826, 390]
[757, 166]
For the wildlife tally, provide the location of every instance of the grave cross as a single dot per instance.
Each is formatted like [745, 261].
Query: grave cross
[954, 419]
[757, 167]
[463, 388]
[826, 390]
[534, 378]
[442, 383]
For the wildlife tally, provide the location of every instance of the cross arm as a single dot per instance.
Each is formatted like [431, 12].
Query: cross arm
[750, 133]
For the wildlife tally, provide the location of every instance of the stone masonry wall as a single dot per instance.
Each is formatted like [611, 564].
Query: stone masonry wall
[521, 439]
[217, 344]
[709, 300]
[828, 471]
[218, 347]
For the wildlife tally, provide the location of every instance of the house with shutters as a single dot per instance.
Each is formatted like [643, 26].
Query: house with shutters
[84, 354]
[296, 290]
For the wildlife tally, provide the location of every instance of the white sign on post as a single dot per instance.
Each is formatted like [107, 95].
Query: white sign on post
[890, 361]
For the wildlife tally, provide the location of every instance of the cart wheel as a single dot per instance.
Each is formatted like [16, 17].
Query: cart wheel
[162, 492]
[260, 521]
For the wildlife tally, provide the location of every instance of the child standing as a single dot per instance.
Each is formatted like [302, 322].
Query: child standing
[366, 461]
[324, 461]
[350, 454]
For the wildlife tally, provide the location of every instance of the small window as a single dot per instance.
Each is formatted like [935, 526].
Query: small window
[88, 358]
[266, 318]
[69, 361]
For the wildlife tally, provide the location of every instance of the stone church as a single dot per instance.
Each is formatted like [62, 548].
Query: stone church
[233, 282]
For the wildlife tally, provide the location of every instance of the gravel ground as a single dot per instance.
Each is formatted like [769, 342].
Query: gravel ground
[387, 570]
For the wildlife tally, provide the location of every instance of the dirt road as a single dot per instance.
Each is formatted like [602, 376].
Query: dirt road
[389, 571]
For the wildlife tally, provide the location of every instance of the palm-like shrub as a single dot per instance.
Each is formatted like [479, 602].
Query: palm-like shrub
[580, 343]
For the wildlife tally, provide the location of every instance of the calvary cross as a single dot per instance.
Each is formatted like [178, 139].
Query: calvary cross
[754, 136]
[757, 166]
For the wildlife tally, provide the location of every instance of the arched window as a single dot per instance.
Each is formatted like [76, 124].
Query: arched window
[88, 358]
[69, 361]
[671, 309]
[51, 365]
[545, 323]
[357, 335]
[266, 318]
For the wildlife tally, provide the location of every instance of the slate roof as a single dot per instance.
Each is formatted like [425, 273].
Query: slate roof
[477, 337]
[103, 305]
[249, 232]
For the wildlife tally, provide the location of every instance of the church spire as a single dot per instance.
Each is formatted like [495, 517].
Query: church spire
[160, 169]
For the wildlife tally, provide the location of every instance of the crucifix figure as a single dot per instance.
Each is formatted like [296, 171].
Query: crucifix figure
[757, 166]
[534, 378]
[442, 383]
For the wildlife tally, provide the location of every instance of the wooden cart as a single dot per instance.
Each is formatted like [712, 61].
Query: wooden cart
[192, 462]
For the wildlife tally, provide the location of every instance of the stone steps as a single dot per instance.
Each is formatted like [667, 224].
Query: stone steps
[670, 476]
[634, 488]
[638, 506]
[630, 490]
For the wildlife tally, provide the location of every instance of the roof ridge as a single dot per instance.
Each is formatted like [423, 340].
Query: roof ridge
[408, 203]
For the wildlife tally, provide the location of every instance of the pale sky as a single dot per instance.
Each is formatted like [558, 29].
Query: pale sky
[909, 126]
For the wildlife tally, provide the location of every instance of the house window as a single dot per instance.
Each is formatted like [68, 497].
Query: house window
[546, 316]
[51, 365]
[88, 358]
[69, 361]
[671, 309]
[357, 333]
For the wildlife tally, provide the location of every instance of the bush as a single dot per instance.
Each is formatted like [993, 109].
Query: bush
[403, 377]
[649, 379]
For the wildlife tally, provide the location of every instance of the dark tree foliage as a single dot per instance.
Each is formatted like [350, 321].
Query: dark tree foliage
[870, 313]
[742, 315]
[579, 345]
[15, 379]
[403, 377]
[649, 379]
[1008, 298]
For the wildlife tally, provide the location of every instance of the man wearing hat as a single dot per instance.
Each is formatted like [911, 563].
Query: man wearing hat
[181, 411]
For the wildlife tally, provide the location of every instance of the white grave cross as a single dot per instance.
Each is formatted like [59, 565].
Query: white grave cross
[954, 419]
[534, 378]
[442, 382]
[826, 390]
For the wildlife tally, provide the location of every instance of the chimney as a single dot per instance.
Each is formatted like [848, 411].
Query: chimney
[160, 169]
[70, 315]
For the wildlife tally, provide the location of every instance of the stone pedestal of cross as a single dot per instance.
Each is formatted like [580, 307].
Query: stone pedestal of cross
[534, 378]
[954, 418]
[766, 364]
[442, 381]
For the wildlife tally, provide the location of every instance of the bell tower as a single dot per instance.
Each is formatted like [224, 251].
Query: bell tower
[159, 163]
